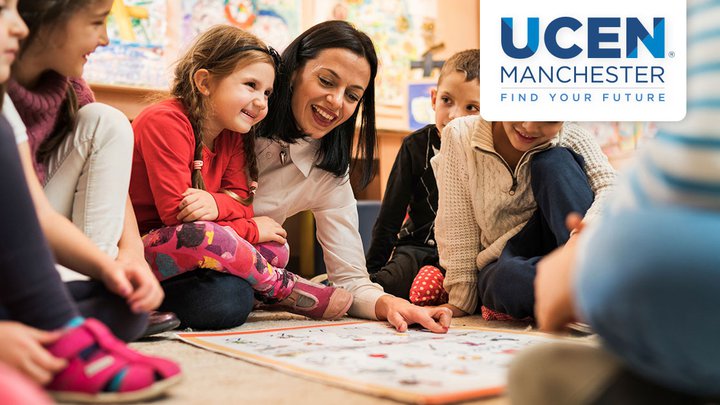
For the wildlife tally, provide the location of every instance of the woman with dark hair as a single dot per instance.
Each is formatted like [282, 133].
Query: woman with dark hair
[305, 156]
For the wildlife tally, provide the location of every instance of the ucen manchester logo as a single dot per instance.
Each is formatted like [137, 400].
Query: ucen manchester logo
[609, 60]
[635, 32]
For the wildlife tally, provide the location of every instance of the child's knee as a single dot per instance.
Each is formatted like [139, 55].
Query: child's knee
[105, 124]
[554, 161]
[232, 307]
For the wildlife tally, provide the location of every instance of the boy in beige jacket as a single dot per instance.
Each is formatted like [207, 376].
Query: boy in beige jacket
[505, 189]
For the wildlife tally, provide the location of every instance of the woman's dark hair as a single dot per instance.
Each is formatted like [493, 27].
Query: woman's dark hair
[335, 151]
[51, 14]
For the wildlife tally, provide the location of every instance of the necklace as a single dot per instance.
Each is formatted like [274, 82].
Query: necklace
[284, 151]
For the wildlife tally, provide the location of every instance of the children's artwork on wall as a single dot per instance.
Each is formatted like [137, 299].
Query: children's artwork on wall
[396, 28]
[419, 104]
[373, 358]
[136, 54]
[620, 138]
[146, 36]
[276, 22]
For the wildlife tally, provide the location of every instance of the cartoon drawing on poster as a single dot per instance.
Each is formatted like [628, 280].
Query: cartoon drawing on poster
[416, 366]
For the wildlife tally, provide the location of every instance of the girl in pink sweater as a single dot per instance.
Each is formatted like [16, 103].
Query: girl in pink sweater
[81, 151]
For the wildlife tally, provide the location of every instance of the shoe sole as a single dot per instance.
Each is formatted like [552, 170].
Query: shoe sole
[162, 327]
[150, 392]
[342, 313]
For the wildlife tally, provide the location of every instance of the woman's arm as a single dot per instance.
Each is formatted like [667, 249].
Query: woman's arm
[337, 230]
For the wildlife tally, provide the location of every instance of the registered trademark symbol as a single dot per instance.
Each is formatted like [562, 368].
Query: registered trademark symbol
[671, 54]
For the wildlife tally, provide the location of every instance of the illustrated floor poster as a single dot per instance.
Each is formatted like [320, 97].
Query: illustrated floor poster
[371, 357]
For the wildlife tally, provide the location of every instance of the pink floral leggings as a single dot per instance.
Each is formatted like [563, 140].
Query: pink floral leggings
[174, 250]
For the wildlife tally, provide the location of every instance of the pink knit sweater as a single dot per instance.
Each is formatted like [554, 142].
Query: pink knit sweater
[40, 108]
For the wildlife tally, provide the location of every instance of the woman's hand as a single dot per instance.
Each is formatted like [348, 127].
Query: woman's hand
[131, 278]
[197, 205]
[23, 349]
[401, 314]
[270, 230]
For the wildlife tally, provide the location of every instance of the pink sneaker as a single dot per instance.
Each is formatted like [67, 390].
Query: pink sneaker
[101, 368]
[316, 301]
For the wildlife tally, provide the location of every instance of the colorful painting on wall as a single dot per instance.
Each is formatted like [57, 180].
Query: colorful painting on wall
[136, 54]
[373, 358]
[276, 22]
[419, 104]
[146, 36]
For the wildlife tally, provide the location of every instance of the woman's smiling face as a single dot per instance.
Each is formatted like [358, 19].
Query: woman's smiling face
[328, 89]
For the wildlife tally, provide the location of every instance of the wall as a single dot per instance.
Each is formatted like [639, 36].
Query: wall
[457, 26]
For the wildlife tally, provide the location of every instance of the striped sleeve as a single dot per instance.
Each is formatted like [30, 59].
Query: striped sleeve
[682, 165]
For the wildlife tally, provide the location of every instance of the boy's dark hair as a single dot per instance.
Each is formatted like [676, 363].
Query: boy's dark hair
[335, 151]
[220, 50]
[51, 14]
[467, 62]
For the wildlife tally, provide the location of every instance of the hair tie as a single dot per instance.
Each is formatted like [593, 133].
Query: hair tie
[253, 187]
[197, 164]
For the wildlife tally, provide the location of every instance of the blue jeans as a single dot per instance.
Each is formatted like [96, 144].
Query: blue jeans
[208, 299]
[649, 284]
[560, 187]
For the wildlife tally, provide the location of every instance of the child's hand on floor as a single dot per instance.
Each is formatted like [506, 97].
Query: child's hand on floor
[22, 348]
[197, 205]
[269, 230]
[401, 314]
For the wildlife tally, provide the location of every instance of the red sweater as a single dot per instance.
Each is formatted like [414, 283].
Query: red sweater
[161, 170]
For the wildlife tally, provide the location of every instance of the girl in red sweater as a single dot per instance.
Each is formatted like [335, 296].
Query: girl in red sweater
[194, 176]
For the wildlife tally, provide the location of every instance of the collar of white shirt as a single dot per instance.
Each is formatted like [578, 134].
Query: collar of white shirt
[303, 154]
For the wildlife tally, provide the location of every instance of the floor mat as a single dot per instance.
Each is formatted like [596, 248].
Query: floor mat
[370, 357]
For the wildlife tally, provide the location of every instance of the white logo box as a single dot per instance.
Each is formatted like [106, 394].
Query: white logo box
[647, 88]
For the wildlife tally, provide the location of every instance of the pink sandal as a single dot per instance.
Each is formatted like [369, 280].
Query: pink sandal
[316, 301]
[101, 368]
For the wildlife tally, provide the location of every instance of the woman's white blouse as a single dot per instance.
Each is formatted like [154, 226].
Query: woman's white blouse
[290, 183]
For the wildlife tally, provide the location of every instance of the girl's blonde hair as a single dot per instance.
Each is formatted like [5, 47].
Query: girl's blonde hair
[221, 50]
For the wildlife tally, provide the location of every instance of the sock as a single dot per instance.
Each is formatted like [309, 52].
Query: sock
[74, 322]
